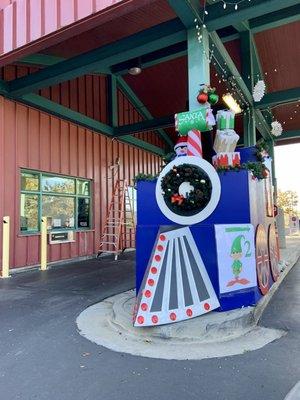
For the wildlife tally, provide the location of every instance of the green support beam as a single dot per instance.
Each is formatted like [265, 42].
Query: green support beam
[282, 97]
[147, 41]
[247, 74]
[142, 145]
[52, 108]
[293, 134]
[198, 64]
[40, 59]
[226, 61]
[157, 57]
[112, 101]
[144, 126]
[218, 18]
[141, 108]
[275, 19]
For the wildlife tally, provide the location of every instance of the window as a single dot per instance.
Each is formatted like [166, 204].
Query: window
[66, 201]
[133, 204]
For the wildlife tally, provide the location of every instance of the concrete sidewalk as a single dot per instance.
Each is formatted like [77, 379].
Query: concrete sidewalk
[42, 356]
[216, 334]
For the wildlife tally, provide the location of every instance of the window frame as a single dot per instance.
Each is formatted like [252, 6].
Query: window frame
[42, 193]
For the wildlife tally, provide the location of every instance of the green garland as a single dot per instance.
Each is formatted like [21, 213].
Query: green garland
[262, 149]
[144, 177]
[258, 169]
[196, 200]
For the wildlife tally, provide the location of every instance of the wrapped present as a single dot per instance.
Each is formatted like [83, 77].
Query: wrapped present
[226, 159]
[186, 121]
[225, 141]
[225, 119]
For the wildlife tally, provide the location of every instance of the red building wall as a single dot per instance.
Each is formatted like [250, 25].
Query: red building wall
[35, 140]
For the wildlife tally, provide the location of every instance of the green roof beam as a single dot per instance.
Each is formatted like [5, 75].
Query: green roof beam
[147, 41]
[275, 19]
[218, 18]
[144, 126]
[141, 108]
[142, 145]
[292, 134]
[281, 97]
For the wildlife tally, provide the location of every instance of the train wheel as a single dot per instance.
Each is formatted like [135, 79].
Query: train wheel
[273, 252]
[262, 260]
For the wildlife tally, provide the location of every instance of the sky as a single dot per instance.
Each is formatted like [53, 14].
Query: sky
[287, 164]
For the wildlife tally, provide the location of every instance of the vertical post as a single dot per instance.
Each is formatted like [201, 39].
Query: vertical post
[198, 64]
[249, 128]
[272, 155]
[248, 77]
[5, 247]
[43, 243]
[112, 100]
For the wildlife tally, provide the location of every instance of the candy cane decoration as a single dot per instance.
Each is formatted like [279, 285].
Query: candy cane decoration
[194, 144]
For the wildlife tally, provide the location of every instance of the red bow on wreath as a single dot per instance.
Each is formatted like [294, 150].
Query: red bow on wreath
[177, 198]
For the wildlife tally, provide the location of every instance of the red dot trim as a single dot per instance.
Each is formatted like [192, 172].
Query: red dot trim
[162, 237]
[140, 319]
[154, 319]
[151, 282]
[160, 247]
[189, 312]
[157, 258]
[144, 307]
[173, 316]
[148, 293]
[154, 270]
[206, 306]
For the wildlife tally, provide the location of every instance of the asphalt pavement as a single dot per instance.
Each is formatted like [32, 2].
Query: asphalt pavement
[43, 357]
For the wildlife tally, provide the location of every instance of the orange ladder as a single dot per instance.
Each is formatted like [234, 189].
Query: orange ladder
[119, 228]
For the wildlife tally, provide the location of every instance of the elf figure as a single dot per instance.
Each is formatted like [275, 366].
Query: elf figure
[236, 254]
[181, 147]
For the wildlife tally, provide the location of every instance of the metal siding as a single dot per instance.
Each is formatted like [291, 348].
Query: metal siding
[36, 140]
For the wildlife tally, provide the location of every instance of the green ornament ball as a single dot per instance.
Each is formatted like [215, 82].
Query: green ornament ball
[213, 99]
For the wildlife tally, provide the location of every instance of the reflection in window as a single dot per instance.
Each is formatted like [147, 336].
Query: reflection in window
[83, 212]
[133, 204]
[66, 201]
[83, 188]
[57, 184]
[29, 181]
[59, 210]
[29, 212]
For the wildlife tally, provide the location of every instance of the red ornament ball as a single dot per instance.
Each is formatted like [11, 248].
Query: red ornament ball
[202, 98]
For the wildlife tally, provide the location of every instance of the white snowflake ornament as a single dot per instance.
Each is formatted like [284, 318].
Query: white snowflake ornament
[259, 90]
[276, 128]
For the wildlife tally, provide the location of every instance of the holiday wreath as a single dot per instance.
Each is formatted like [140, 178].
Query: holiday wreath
[198, 195]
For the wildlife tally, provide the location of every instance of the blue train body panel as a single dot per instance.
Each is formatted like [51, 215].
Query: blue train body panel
[242, 201]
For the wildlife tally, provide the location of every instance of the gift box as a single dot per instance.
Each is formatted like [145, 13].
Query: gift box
[225, 141]
[186, 121]
[226, 159]
[225, 119]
